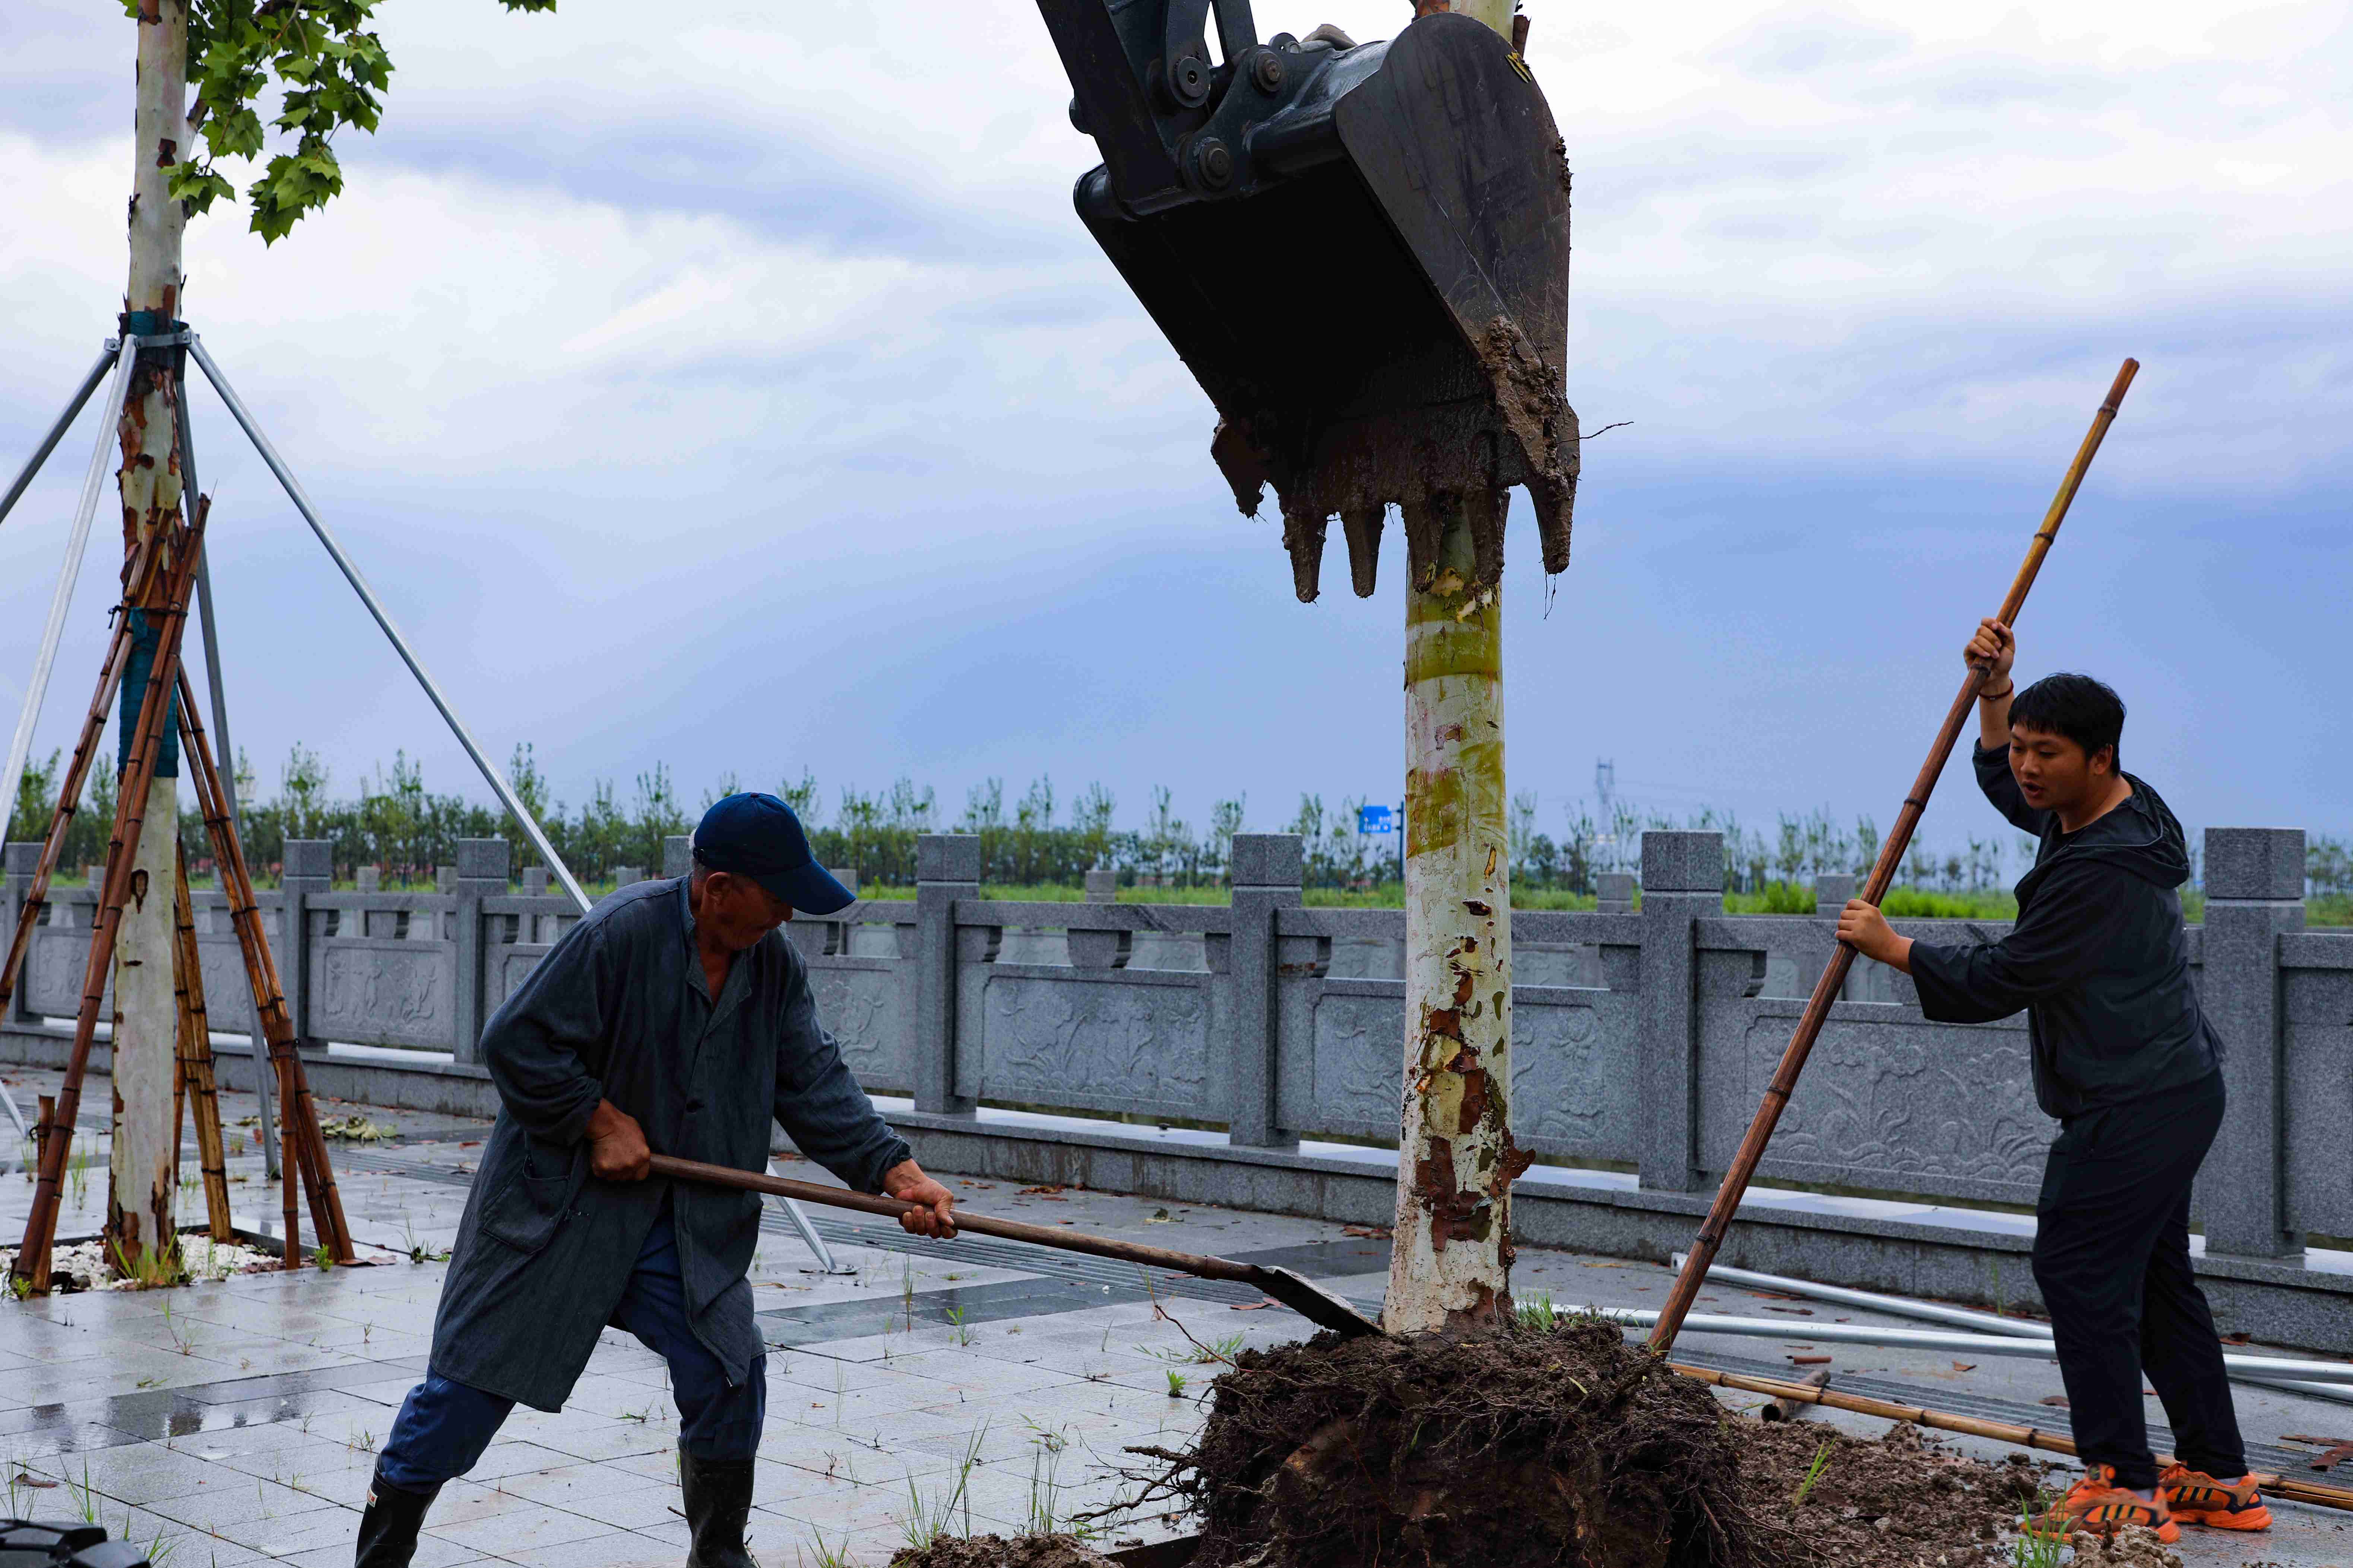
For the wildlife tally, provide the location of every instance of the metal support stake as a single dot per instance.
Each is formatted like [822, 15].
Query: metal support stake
[76, 542]
[490, 775]
[825, 1263]
[264, 1088]
[106, 356]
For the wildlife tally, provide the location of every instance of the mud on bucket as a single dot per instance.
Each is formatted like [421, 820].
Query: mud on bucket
[1360, 251]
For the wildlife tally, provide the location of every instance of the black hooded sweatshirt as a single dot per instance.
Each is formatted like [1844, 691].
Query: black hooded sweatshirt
[2098, 957]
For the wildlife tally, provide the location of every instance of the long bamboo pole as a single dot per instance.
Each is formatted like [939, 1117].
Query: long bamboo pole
[32, 1262]
[196, 1066]
[299, 1113]
[2289, 1487]
[1891, 854]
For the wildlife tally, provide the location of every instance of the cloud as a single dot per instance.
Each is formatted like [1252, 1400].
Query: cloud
[743, 390]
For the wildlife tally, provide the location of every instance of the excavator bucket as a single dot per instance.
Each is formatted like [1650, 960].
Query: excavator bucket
[1361, 251]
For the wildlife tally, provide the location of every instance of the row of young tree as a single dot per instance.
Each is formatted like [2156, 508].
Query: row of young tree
[394, 822]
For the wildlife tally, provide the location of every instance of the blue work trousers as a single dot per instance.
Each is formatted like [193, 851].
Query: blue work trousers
[444, 1426]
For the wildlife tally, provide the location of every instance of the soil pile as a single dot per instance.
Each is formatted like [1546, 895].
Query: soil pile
[1002, 1552]
[1897, 1501]
[1494, 1449]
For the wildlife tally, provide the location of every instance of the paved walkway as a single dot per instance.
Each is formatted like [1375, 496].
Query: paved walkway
[238, 1422]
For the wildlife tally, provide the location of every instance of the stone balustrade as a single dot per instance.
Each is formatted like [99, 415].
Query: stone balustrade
[1241, 1033]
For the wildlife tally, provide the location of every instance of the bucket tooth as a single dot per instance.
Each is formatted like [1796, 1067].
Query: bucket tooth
[1425, 518]
[1242, 462]
[1302, 535]
[1361, 526]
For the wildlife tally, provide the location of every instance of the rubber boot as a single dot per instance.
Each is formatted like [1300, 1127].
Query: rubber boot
[389, 1526]
[718, 1495]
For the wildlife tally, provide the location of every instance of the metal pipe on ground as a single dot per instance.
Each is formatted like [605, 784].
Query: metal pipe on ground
[1961, 1317]
[1933, 1339]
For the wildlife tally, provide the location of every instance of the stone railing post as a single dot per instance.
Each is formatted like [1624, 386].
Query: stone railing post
[18, 863]
[678, 854]
[1615, 893]
[482, 869]
[948, 867]
[2254, 893]
[307, 869]
[1266, 870]
[1103, 887]
[1683, 881]
[1832, 890]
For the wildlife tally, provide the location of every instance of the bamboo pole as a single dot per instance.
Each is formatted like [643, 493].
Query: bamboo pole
[93, 729]
[298, 1113]
[32, 1261]
[260, 973]
[196, 1067]
[1891, 854]
[2288, 1486]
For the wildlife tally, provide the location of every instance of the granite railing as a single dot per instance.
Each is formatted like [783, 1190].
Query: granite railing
[1642, 1041]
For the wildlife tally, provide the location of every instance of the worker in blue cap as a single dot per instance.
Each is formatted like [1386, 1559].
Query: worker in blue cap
[674, 1016]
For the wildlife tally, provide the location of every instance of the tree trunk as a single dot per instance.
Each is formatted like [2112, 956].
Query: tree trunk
[1456, 1162]
[142, 1193]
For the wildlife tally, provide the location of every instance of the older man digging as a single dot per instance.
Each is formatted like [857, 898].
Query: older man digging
[674, 1016]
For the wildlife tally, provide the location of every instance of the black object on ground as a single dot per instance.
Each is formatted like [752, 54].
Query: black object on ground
[63, 1543]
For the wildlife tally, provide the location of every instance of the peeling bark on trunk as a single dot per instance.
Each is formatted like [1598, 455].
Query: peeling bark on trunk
[1451, 1260]
[142, 1193]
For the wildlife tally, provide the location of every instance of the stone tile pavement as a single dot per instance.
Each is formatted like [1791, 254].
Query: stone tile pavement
[237, 1422]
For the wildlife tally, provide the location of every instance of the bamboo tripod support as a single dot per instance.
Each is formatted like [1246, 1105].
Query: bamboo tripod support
[32, 1261]
[305, 1147]
[305, 1157]
[193, 1078]
[1891, 854]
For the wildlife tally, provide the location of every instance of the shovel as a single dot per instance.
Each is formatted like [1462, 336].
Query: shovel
[1310, 1301]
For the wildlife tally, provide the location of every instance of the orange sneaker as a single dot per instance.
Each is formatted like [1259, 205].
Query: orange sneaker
[2097, 1504]
[2196, 1497]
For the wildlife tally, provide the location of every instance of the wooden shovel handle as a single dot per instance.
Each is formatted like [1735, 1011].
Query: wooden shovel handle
[979, 1225]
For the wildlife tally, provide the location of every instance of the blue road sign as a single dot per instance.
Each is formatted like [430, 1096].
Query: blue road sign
[1375, 820]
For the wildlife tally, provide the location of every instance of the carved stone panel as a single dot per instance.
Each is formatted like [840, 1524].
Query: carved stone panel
[55, 963]
[1359, 1066]
[228, 1000]
[2318, 1102]
[1936, 1108]
[1094, 1042]
[382, 993]
[865, 1010]
[509, 966]
[1574, 1076]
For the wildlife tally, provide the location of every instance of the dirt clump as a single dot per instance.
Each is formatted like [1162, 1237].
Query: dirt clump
[1003, 1552]
[1498, 1448]
[1903, 1500]
[2132, 1547]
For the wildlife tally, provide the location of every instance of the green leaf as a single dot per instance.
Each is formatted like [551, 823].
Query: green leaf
[197, 186]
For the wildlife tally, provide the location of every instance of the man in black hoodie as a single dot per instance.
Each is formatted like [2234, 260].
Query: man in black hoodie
[2128, 1064]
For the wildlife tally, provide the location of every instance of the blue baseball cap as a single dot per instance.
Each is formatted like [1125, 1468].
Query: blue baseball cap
[757, 836]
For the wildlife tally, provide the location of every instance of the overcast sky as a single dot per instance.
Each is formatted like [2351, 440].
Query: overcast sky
[744, 395]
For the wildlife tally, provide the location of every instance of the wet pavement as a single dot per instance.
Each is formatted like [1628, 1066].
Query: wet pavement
[234, 1423]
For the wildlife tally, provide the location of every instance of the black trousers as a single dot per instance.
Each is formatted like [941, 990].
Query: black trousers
[2112, 1256]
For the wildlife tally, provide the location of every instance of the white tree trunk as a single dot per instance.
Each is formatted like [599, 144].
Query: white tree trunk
[1456, 1162]
[141, 1210]
[140, 1196]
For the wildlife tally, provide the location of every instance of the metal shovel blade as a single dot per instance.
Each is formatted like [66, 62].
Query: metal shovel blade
[1313, 1302]
[1378, 302]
